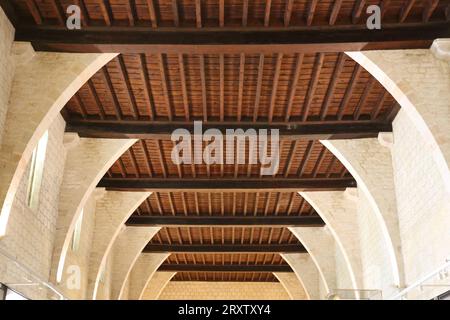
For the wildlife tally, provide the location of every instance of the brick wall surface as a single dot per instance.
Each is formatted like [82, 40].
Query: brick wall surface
[30, 235]
[423, 206]
[6, 66]
[200, 290]
[156, 285]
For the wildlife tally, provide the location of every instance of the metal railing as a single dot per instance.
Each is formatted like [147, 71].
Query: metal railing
[355, 294]
[31, 279]
[443, 272]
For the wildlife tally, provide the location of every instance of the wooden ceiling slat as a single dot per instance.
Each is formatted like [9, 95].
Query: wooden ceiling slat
[112, 92]
[241, 85]
[293, 85]
[258, 87]
[330, 167]
[288, 12]
[152, 13]
[245, 13]
[348, 93]
[384, 7]
[134, 162]
[175, 13]
[267, 13]
[334, 80]
[81, 105]
[98, 103]
[161, 158]
[430, 7]
[163, 75]
[31, 4]
[147, 89]
[306, 155]
[198, 13]
[221, 86]
[275, 86]
[311, 10]
[313, 84]
[203, 87]
[362, 100]
[59, 12]
[105, 9]
[335, 12]
[131, 13]
[183, 87]
[358, 10]
[221, 13]
[126, 79]
[406, 9]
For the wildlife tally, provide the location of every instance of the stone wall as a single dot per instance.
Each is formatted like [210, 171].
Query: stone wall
[201, 290]
[6, 66]
[423, 205]
[30, 233]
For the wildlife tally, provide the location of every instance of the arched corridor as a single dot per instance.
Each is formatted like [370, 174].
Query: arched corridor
[189, 150]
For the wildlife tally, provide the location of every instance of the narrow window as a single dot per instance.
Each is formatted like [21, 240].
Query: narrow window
[36, 172]
[77, 232]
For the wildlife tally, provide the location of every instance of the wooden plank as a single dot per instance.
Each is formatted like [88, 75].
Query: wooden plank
[226, 220]
[335, 11]
[406, 9]
[288, 12]
[241, 248]
[311, 10]
[267, 13]
[31, 5]
[357, 10]
[312, 85]
[275, 86]
[230, 185]
[293, 85]
[206, 41]
[431, 5]
[163, 130]
[224, 268]
[152, 13]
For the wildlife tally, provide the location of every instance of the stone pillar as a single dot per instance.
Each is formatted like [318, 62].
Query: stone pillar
[419, 80]
[111, 213]
[86, 164]
[338, 210]
[306, 272]
[127, 248]
[370, 164]
[157, 284]
[143, 271]
[292, 285]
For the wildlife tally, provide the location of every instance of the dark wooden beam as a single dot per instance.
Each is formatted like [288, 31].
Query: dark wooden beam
[222, 248]
[152, 130]
[224, 268]
[230, 185]
[226, 221]
[232, 40]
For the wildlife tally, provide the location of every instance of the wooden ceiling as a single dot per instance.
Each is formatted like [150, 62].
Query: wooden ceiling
[231, 64]
[217, 26]
[267, 88]
[225, 203]
[219, 13]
